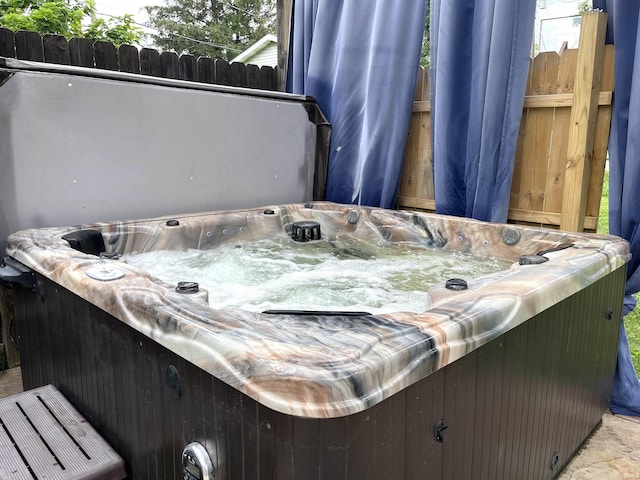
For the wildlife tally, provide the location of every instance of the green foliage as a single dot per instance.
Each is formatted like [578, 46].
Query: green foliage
[632, 326]
[71, 18]
[603, 216]
[585, 7]
[426, 44]
[215, 28]
[44, 17]
[118, 31]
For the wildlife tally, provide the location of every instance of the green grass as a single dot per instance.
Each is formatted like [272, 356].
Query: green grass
[631, 321]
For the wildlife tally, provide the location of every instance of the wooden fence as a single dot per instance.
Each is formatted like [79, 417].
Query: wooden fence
[562, 143]
[82, 52]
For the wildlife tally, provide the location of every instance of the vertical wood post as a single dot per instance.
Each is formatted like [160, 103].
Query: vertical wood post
[583, 121]
[285, 11]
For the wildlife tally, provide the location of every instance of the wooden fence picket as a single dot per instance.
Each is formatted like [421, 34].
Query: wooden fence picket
[105, 55]
[222, 72]
[56, 49]
[206, 73]
[253, 76]
[150, 62]
[128, 59]
[188, 68]
[7, 43]
[81, 52]
[169, 65]
[238, 74]
[28, 46]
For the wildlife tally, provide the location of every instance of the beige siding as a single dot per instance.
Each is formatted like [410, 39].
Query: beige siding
[266, 56]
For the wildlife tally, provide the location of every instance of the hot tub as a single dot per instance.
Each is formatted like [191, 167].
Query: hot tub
[502, 379]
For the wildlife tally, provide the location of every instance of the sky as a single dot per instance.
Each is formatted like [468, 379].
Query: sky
[552, 25]
[134, 7]
[120, 7]
[549, 33]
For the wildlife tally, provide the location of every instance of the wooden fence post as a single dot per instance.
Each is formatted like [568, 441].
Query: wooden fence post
[284, 12]
[583, 121]
[416, 183]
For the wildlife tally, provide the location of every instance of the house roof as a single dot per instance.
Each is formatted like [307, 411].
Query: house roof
[268, 41]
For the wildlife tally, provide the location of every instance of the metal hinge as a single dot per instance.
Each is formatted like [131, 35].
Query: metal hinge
[15, 273]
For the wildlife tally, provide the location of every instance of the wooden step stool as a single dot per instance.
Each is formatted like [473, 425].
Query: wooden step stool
[43, 437]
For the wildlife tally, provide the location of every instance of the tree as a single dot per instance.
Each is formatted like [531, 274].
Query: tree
[585, 7]
[215, 28]
[426, 44]
[70, 18]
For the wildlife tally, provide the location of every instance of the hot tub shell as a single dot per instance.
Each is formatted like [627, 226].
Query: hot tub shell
[503, 380]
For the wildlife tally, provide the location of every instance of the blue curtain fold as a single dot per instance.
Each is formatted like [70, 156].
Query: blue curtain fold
[480, 54]
[624, 178]
[359, 59]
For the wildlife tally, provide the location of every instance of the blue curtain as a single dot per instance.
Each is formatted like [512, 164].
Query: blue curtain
[359, 59]
[479, 63]
[624, 177]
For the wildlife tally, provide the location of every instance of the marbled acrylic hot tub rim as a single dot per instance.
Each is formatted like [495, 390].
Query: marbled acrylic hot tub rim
[319, 366]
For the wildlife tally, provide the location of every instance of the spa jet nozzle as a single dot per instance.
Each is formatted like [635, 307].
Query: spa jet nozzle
[305, 231]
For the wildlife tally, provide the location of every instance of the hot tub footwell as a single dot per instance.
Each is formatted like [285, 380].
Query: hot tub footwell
[517, 407]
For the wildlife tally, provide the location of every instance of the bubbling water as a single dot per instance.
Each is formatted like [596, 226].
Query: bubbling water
[326, 275]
